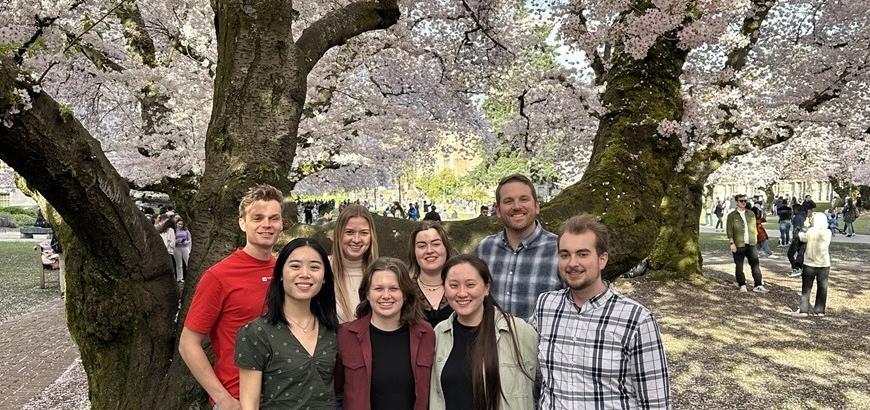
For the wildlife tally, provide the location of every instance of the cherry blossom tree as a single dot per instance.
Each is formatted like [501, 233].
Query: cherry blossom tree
[219, 97]
[121, 300]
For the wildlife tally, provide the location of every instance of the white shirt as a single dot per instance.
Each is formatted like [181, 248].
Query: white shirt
[742, 213]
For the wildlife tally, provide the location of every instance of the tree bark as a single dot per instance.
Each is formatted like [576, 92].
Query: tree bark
[122, 300]
[121, 297]
[677, 249]
[631, 164]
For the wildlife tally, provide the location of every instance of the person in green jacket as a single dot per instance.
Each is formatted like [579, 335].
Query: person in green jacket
[485, 358]
[741, 232]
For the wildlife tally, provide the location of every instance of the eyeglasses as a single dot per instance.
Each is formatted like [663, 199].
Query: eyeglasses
[741, 200]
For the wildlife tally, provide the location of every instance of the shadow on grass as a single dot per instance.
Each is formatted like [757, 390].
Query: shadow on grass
[732, 350]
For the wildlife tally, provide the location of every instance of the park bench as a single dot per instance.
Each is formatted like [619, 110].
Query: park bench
[29, 231]
[47, 273]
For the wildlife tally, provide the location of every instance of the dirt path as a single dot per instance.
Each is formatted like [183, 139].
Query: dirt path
[35, 349]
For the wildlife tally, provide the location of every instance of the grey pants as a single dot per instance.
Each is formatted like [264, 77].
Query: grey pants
[820, 275]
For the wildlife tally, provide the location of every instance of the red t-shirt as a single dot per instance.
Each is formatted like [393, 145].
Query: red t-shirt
[230, 294]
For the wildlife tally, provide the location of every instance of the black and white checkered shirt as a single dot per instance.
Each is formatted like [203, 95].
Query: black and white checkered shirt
[520, 275]
[606, 355]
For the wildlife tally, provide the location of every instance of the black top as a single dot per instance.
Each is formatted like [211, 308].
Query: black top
[392, 377]
[432, 216]
[456, 376]
[436, 316]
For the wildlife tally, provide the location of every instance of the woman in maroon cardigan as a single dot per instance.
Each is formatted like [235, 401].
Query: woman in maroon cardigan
[385, 356]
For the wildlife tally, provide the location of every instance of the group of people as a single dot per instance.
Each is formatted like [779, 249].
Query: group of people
[428, 212]
[526, 320]
[807, 235]
[177, 240]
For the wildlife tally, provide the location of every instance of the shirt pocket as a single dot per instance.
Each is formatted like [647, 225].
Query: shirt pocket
[514, 383]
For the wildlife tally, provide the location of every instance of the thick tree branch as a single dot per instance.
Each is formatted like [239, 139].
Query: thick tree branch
[339, 26]
[597, 63]
[60, 159]
[97, 57]
[192, 54]
[135, 32]
[751, 28]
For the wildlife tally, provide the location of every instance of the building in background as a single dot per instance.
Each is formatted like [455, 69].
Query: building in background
[10, 195]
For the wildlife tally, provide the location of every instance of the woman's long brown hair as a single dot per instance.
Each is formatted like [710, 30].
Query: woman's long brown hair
[483, 356]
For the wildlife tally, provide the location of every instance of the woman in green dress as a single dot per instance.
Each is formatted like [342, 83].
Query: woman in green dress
[286, 357]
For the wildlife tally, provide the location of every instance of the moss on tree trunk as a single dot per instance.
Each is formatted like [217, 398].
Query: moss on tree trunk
[677, 249]
[631, 164]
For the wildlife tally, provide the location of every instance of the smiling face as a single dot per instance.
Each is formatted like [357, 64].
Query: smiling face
[385, 295]
[580, 265]
[430, 252]
[465, 290]
[356, 238]
[262, 224]
[303, 273]
[517, 208]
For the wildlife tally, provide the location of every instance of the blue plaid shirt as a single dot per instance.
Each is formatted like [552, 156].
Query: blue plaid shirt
[520, 275]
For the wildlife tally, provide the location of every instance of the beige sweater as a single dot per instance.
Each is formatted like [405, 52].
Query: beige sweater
[353, 272]
[818, 239]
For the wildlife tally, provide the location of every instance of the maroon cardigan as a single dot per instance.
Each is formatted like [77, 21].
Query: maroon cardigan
[353, 370]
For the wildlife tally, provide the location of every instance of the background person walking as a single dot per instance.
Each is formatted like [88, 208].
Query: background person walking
[740, 230]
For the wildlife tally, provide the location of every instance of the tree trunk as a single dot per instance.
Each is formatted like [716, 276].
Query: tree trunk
[122, 301]
[677, 249]
[768, 191]
[121, 296]
[632, 164]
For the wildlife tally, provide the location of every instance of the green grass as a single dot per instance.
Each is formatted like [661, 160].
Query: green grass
[19, 279]
[733, 350]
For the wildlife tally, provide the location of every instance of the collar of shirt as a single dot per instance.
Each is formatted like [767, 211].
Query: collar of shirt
[527, 241]
[594, 302]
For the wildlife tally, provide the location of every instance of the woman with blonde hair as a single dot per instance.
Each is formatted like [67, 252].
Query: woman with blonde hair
[354, 246]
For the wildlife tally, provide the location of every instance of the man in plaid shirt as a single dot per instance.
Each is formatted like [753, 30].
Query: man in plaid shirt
[598, 349]
[522, 257]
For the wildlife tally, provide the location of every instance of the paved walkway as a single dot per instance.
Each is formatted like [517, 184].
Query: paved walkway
[35, 349]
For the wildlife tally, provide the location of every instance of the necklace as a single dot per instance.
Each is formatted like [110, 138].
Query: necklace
[305, 328]
[430, 288]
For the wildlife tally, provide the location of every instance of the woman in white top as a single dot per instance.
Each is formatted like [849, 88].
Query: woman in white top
[354, 246]
[817, 265]
[166, 228]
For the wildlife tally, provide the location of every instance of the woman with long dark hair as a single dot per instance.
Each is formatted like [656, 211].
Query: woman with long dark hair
[427, 254]
[485, 359]
[286, 358]
[385, 356]
[354, 246]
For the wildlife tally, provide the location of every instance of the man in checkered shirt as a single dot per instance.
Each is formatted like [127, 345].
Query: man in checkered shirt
[598, 349]
[522, 257]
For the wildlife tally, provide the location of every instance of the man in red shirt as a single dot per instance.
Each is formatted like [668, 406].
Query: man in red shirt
[230, 294]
